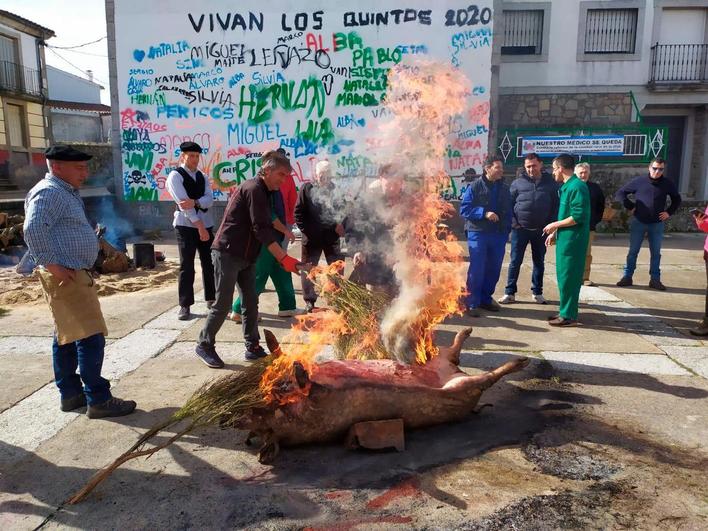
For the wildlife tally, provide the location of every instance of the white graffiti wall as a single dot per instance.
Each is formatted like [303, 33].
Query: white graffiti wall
[240, 78]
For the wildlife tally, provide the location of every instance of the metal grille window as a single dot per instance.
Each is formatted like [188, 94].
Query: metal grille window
[523, 32]
[635, 145]
[611, 30]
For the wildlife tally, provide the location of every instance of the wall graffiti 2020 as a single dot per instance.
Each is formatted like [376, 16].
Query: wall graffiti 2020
[240, 81]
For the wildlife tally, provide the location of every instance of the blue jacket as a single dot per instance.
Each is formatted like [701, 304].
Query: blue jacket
[649, 197]
[483, 196]
[535, 205]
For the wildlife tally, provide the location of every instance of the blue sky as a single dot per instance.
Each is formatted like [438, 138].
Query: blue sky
[74, 22]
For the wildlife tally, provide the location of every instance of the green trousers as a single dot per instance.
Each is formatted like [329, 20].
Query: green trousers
[571, 249]
[268, 267]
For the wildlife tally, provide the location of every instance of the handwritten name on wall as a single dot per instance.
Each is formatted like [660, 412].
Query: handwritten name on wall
[239, 81]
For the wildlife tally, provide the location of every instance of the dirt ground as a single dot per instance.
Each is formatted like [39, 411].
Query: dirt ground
[16, 289]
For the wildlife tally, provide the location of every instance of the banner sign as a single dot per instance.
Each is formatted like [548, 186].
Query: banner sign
[606, 145]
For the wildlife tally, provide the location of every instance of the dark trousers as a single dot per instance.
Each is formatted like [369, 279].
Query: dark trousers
[311, 254]
[189, 244]
[87, 355]
[486, 257]
[520, 238]
[230, 272]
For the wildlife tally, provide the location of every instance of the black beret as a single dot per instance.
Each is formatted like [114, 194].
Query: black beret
[68, 153]
[190, 147]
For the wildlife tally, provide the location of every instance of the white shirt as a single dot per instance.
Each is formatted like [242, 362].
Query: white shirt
[187, 218]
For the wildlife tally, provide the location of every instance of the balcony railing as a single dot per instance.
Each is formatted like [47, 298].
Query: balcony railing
[679, 63]
[19, 79]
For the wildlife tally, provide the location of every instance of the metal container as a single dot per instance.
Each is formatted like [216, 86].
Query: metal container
[144, 255]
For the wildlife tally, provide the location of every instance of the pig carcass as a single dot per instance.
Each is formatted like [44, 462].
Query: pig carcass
[338, 394]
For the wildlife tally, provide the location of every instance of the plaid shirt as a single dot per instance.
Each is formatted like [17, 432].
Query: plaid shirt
[56, 228]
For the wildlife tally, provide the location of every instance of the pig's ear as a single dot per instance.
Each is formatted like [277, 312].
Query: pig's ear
[272, 343]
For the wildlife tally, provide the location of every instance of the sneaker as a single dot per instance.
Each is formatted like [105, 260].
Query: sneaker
[588, 283]
[701, 329]
[115, 407]
[562, 321]
[490, 306]
[472, 312]
[209, 356]
[624, 282]
[255, 353]
[290, 313]
[656, 284]
[309, 306]
[183, 313]
[538, 299]
[75, 402]
[210, 304]
[507, 299]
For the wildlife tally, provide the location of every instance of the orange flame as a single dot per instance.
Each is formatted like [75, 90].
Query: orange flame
[423, 102]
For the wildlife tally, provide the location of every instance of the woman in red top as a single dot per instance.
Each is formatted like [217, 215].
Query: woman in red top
[702, 223]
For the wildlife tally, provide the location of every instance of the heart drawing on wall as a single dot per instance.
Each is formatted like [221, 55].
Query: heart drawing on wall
[139, 55]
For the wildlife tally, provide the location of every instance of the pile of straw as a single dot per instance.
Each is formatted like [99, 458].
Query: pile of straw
[362, 310]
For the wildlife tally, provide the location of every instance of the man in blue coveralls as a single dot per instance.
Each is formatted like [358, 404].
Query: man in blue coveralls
[486, 207]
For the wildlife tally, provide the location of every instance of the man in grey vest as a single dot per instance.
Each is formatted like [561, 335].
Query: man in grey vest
[193, 223]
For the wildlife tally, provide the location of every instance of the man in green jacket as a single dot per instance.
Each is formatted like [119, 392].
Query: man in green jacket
[571, 233]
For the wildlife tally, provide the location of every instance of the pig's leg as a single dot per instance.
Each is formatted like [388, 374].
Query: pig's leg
[272, 343]
[270, 449]
[486, 380]
[452, 353]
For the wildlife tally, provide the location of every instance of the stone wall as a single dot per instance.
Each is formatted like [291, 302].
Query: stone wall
[68, 127]
[534, 110]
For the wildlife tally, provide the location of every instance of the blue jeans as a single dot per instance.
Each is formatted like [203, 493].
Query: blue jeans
[87, 355]
[520, 238]
[655, 234]
[486, 257]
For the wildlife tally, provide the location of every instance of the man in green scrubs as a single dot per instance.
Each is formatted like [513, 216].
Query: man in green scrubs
[571, 233]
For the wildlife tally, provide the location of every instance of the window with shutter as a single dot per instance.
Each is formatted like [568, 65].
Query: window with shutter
[611, 31]
[523, 32]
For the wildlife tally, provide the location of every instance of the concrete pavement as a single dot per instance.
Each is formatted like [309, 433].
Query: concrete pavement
[623, 398]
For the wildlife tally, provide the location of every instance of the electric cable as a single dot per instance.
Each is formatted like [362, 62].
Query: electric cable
[77, 68]
[78, 45]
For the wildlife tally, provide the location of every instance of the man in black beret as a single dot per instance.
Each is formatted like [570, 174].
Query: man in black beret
[193, 222]
[66, 153]
[64, 246]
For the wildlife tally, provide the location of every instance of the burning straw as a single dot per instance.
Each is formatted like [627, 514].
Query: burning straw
[224, 401]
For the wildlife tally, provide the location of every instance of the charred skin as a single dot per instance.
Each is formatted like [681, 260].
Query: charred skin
[343, 393]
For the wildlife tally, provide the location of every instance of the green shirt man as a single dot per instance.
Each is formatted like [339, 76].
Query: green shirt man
[571, 232]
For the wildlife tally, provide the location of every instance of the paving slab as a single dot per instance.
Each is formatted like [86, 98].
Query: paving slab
[37, 418]
[612, 362]
[477, 359]
[123, 312]
[168, 320]
[693, 358]
[591, 294]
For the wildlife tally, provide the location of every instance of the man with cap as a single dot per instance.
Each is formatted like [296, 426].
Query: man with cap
[245, 228]
[64, 246]
[193, 223]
